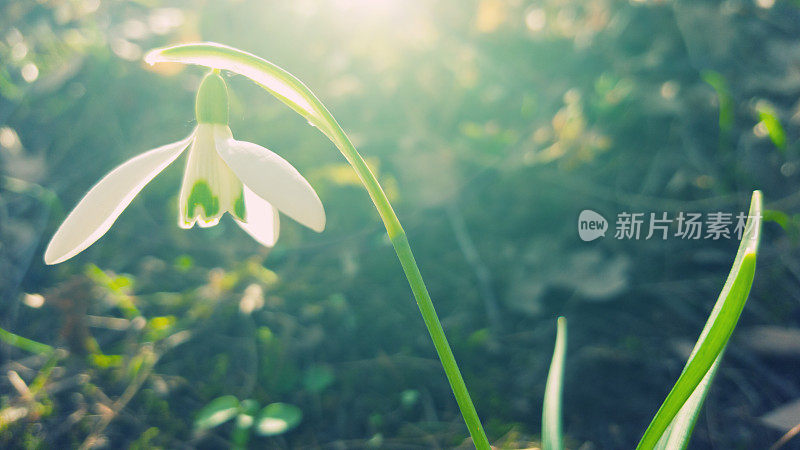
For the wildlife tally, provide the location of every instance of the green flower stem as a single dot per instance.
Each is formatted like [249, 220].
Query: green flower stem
[291, 91]
[401, 246]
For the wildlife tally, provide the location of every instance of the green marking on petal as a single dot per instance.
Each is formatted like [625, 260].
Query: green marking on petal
[201, 196]
[238, 206]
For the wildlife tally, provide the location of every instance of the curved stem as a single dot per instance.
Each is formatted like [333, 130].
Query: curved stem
[401, 246]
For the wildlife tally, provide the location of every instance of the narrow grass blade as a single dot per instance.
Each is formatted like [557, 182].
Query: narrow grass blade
[769, 117]
[678, 414]
[724, 97]
[677, 434]
[552, 438]
[25, 343]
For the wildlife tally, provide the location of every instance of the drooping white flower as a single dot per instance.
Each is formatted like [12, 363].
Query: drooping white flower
[222, 175]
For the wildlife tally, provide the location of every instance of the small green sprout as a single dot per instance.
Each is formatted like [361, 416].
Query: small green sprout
[273, 420]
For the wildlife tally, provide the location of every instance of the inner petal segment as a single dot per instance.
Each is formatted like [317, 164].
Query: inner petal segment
[209, 186]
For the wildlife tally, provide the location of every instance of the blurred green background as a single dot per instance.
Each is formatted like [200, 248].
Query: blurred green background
[491, 125]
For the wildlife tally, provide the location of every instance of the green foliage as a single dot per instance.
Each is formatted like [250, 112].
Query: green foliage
[145, 441]
[273, 420]
[217, 412]
[724, 98]
[244, 423]
[769, 118]
[672, 426]
[789, 223]
[409, 398]
[24, 343]
[552, 435]
[318, 378]
[277, 418]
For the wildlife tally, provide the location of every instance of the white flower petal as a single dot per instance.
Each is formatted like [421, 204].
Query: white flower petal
[104, 202]
[209, 188]
[271, 178]
[261, 219]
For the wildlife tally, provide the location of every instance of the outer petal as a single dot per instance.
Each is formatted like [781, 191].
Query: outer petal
[271, 178]
[261, 219]
[101, 206]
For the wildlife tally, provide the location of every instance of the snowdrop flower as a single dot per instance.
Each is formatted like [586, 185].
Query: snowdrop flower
[222, 175]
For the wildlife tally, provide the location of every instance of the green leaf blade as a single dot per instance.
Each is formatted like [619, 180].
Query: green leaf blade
[726, 105]
[217, 412]
[278, 418]
[673, 423]
[552, 436]
[769, 118]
